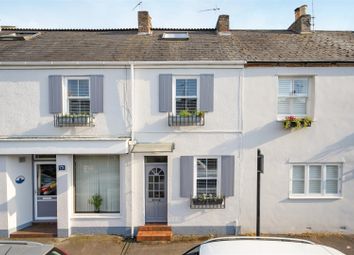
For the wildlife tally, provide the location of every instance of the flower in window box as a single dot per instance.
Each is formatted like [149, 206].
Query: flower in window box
[295, 122]
[208, 199]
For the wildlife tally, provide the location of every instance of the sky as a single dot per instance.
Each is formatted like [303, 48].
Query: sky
[244, 14]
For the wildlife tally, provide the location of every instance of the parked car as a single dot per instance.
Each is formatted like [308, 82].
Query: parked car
[28, 248]
[261, 246]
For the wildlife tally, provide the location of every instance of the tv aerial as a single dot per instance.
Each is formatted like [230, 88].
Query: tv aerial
[211, 9]
[137, 5]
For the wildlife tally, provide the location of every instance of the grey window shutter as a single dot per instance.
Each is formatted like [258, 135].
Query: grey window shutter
[227, 175]
[96, 90]
[206, 92]
[186, 176]
[55, 94]
[165, 93]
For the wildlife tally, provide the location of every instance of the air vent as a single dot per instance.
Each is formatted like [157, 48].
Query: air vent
[175, 36]
[19, 36]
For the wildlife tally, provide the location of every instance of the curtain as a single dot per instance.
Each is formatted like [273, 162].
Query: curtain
[97, 175]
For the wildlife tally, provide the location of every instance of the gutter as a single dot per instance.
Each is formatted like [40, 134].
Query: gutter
[132, 156]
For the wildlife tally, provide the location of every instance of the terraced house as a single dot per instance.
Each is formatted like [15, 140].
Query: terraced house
[103, 131]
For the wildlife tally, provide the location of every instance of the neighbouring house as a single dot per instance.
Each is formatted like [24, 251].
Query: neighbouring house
[103, 131]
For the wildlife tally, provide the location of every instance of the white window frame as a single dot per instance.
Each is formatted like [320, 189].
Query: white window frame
[323, 194]
[66, 98]
[174, 97]
[218, 173]
[281, 116]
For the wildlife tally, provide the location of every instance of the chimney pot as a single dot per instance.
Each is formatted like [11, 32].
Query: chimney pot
[144, 23]
[223, 25]
[300, 11]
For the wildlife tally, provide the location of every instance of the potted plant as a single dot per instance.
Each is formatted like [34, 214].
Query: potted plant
[96, 200]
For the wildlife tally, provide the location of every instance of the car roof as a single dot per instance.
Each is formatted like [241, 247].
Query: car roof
[23, 248]
[264, 246]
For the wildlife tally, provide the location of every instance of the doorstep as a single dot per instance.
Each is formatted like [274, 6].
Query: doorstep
[154, 232]
[38, 229]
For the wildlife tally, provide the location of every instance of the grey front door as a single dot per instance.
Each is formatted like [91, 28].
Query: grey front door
[45, 191]
[155, 192]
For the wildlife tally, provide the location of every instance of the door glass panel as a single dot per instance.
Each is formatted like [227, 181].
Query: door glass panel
[156, 181]
[47, 180]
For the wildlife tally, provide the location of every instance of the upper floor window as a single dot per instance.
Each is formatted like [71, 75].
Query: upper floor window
[78, 96]
[316, 180]
[186, 95]
[293, 96]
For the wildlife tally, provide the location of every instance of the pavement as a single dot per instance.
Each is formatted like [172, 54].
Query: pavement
[116, 245]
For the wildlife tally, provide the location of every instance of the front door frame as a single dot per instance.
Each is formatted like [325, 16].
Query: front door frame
[146, 189]
[35, 200]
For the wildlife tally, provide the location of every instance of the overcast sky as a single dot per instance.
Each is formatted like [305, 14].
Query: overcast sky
[250, 14]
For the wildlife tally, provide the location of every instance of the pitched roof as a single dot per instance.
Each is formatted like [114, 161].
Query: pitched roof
[253, 46]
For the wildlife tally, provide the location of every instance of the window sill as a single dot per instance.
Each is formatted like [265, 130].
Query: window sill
[281, 118]
[315, 197]
[96, 216]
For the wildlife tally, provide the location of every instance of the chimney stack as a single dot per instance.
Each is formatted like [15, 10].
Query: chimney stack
[144, 23]
[223, 26]
[302, 23]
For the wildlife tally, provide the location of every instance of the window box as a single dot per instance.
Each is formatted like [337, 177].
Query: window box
[295, 122]
[207, 202]
[186, 120]
[73, 120]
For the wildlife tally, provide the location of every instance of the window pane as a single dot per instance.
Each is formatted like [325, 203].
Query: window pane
[299, 172]
[300, 87]
[315, 186]
[191, 89]
[331, 186]
[180, 87]
[332, 172]
[78, 106]
[285, 87]
[83, 88]
[315, 172]
[283, 106]
[299, 106]
[298, 187]
[73, 88]
[186, 104]
[97, 175]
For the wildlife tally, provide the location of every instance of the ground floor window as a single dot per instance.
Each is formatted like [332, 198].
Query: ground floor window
[97, 186]
[207, 176]
[316, 180]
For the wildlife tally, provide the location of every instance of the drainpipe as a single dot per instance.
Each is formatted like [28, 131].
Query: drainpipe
[132, 81]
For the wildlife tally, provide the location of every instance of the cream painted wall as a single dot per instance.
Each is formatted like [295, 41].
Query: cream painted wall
[24, 103]
[329, 139]
[20, 196]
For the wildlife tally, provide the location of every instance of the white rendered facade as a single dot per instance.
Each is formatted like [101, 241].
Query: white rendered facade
[244, 118]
